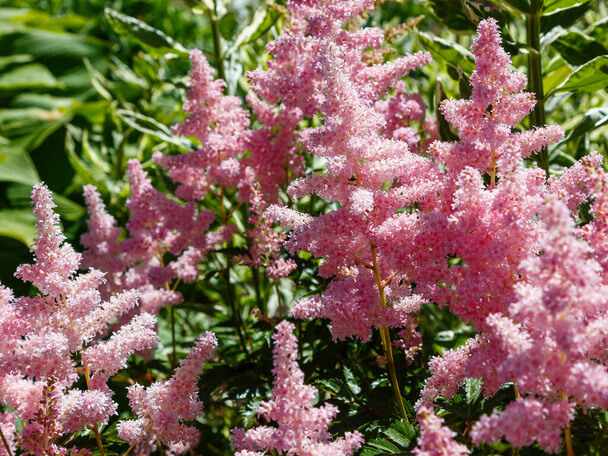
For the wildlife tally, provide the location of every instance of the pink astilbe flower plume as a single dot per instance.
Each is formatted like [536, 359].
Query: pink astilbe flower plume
[302, 428]
[548, 341]
[157, 225]
[163, 407]
[43, 333]
[220, 124]
[326, 62]
[435, 438]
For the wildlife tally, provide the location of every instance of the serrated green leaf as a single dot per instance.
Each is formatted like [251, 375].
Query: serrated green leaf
[552, 6]
[400, 433]
[587, 78]
[153, 40]
[18, 224]
[577, 48]
[453, 54]
[17, 166]
[29, 76]
[351, 381]
[472, 388]
[383, 444]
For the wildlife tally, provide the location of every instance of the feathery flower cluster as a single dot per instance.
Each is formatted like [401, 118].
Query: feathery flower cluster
[326, 62]
[163, 407]
[41, 334]
[302, 428]
[435, 438]
[158, 225]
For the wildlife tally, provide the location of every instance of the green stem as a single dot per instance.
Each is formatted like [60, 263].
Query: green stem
[386, 337]
[217, 46]
[536, 76]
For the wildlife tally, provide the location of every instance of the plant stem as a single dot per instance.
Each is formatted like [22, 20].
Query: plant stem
[567, 433]
[94, 428]
[217, 49]
[386, 336]
[8, 448]
[536, 75]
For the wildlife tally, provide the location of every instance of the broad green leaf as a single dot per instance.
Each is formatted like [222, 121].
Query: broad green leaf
[551, 6]
[29, 76]
[562, 18]
[153, 40]
[556, 75]
[577, 48]
[13, 59]
[17, 166]
[451, 14]
[454, 54]
[59, 46]
[587, 78]
[150, 126]
[68, 209]
[594, 118]
[18, 224]
[472, 388]
[263, 19]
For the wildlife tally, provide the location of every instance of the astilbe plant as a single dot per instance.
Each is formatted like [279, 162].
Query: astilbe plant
[42, 334]
[302, 428]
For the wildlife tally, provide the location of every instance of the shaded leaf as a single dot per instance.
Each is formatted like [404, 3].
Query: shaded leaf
[153, 40]
[453, 54]
[17, 166]
[30, 76]
[577, 48]
[594, 118]
[18, 224]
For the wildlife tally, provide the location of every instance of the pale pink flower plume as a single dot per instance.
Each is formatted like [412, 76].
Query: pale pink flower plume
[163, 407]
[302, 429]
[435, 438]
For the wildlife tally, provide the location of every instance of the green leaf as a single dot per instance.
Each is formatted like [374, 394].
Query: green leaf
[563, 17]
[18, 224]
[89, 174]
[17, 166]
[577, 48]
[401, 433]
[351, 381]
[383, 444]
[30, 76]
[552, 6]
[451, 14]
[13, 59]
[454, 54]
[263, 19]
[154, 41]
[594, 118]
[150, 126]
[472, 388]
[590, 77]
[521, 5]
[59, 46]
